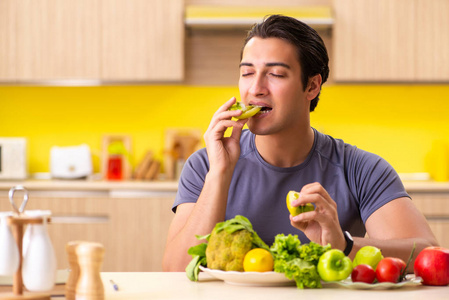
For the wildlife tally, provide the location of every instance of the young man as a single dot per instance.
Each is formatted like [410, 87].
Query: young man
[283, 65]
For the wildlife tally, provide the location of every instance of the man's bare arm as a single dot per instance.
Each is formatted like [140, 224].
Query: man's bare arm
[394, 228]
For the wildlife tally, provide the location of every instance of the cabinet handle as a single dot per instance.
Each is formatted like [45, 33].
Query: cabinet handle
[439, 218]
[79, 219]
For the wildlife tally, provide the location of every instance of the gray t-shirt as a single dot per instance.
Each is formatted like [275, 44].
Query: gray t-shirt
[358, 181]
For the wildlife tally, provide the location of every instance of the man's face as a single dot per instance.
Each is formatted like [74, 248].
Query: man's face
[270, 76]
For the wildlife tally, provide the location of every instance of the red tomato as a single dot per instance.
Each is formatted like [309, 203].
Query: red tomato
[390, 269]
[363, 273]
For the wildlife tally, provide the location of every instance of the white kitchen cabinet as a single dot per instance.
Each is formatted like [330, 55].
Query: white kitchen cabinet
[101, 40]
[383, 40]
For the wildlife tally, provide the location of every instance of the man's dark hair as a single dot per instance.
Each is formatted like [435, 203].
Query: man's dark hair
[312, 53]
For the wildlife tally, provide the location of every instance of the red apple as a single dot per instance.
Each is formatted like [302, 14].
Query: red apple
[432, 265]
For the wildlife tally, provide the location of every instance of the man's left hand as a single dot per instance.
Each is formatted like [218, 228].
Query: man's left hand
[321, 225]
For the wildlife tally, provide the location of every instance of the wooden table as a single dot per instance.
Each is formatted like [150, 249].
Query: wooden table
[159, 285]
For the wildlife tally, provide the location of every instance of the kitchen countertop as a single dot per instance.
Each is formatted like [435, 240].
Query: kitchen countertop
[92, 185]
[166, 186]
[93, 188]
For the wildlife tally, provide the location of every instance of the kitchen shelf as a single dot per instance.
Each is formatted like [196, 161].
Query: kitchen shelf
[225, 17]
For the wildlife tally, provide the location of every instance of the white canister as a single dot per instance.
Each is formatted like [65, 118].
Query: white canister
[9, 253]
[29, 229]
[39, 263]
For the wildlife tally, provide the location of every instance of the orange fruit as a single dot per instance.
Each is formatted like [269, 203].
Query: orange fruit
[258, 260]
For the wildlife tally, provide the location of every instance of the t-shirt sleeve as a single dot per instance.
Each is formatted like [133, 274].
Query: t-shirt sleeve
[192, 179]
[374, 181]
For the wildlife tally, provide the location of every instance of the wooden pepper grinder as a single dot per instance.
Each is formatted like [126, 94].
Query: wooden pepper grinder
[70, 287]
[90, 259]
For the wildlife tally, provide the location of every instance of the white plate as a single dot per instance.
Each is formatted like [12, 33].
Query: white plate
[410, 280]
[250, 278]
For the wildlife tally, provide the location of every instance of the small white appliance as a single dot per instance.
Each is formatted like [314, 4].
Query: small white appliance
[71, 162]
[13, 158]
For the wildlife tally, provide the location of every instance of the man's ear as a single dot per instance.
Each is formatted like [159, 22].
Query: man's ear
[313, 87]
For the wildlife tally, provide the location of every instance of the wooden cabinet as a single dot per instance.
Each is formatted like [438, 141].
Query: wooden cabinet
[382, 40]
[435, 207]
[142, 40]
[132, 230]
[57, 39]
[8, 27]
[105, 40]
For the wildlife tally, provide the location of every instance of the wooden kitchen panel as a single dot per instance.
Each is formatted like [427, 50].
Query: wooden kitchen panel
[91, 41]
[440, 229]
[213, 56]
[432, 40]
[8, 18]
[435, 207]
[258, 2]
[132, 230]
[57, 39]
[374, 40]
[391, 41]
[142, 40]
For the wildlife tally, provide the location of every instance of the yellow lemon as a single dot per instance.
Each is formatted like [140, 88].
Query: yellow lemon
[296, 210]
[258, 260]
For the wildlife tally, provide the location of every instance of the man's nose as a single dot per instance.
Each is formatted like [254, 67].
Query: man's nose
[258, 86]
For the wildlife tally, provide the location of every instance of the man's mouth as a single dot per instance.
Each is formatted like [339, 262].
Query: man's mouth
[264, 110]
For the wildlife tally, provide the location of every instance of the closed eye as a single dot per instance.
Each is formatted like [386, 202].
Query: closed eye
[277, 75]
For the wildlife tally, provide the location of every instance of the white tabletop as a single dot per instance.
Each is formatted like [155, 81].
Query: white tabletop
[159, 285]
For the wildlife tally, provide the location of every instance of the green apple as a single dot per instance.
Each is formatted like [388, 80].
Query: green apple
[334, 265]
[368, 255]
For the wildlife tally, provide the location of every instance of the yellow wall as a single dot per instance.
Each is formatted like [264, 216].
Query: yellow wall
[399, 122]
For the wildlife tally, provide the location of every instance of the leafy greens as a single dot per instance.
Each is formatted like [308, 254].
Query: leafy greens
[296, 261]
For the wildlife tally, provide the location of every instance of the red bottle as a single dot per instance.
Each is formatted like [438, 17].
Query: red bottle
[115, 171]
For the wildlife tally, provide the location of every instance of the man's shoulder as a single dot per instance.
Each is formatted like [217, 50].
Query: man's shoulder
[340, 152]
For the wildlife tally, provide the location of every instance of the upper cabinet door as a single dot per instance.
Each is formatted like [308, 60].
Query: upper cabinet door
[384, 40]
[8, 24]
[57, 39]
[143, 40]
[373, 40]
[101, 40]
[432, 40]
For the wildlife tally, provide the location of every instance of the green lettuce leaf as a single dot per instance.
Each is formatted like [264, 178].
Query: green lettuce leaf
[303, 272]
[198, 254]
[296, 261]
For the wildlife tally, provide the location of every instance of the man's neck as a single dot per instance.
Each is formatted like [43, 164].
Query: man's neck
[287, 150]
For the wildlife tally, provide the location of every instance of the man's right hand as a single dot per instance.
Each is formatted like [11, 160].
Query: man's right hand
[223, 152]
